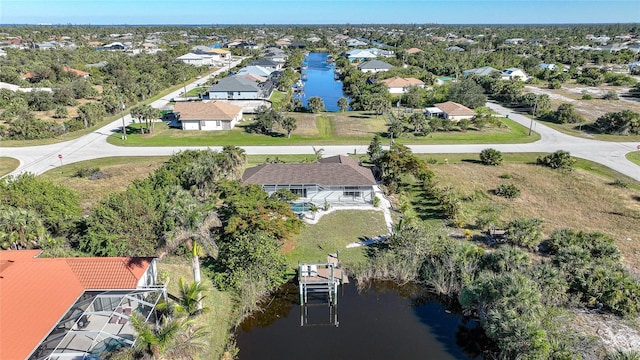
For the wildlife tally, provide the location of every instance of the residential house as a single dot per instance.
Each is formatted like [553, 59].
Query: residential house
[79, 73]
[359, 55]
[413, 51]
[454, 48]
[72, 308]
[208, 115]
[355, 43]
[275, 54]
[334, 180]
[399, 85]
[196, 59]
[374, 66]
[444, 80]
[266, 63]
[219, 54]
[454, 111]
[234, 88]
[256, 70]
[513, 74]
[3, 53]
[481, 71]
[382, 53]
[115, 46]
[514, 41]
[551, 67]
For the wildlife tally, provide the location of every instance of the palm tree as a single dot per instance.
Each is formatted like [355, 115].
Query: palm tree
[232, 160]
[190, 299]
[289, 124]
[171, 339]
[193, 223]
[20, 229]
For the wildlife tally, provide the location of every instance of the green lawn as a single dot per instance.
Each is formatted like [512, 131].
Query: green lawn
[332, 233]
[277, 99]
[634, 157]
[329, 129]
[7, 165]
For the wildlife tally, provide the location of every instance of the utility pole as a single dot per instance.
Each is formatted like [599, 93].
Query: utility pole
[535, 110]
[124, 127]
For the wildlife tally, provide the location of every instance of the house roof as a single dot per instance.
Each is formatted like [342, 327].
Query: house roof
[37, 292]
[336, 170]
[375, 64]
[234, 83]
[481, 71]
[360, 53]
[264, 62]
[253, 77]
[397, 81]
[455, 109]
[413, 51]
[256, 70]
[207, 110]
[217, 51]
[75, 71]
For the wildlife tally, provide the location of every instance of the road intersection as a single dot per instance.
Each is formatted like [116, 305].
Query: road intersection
[39, 159]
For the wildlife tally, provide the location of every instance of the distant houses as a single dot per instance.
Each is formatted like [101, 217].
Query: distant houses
[451, 110]
[513, 74]
[481, 71]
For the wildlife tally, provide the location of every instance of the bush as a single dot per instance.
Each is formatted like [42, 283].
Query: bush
[610, 95]
[586, 96]
[491, 157]
[525, 232]
[555, 84]
[558, 160]
[506, 176]
[620, 183]
[509, 191]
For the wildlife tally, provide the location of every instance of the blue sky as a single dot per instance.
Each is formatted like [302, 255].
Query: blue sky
[98, 12]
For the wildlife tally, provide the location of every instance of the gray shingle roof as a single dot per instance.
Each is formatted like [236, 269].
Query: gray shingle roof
[375, 64]
[234, 83]
[332, 171]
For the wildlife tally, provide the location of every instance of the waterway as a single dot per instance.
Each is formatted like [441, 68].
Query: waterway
[319, 80]
[382, 322]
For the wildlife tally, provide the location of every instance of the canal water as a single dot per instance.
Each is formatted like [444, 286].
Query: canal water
[382, 322]
[319, 80]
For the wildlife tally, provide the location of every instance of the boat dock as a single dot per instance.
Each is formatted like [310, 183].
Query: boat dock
[321, 280]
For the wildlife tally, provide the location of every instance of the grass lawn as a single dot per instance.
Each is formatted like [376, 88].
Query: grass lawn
[583, 199]
[332, 233]
[584, 132]
[121, 171]
[7, 165]
[221, 317]
[277, 99]
[319, 129]
[634, 157]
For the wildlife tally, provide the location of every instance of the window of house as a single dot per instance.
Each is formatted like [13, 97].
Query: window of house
[203, 123]
[218, 123]
[352, 191]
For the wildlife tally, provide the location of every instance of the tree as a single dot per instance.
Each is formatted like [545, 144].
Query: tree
[61, 112]
[419, 123]
[468, 93]
[375, 149]
[491, 157]
[170, 339]
[343, 104]
[624, 122]
[315, 104]
[91, 113]
[289, 125]
[56, 205]
[566, 113]
[20, 229]
[193, 221]
[231, 161]
[265, 119]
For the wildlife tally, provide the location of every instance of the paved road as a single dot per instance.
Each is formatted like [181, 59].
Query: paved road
[38, 159]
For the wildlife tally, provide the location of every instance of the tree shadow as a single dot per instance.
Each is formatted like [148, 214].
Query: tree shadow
[471, 161]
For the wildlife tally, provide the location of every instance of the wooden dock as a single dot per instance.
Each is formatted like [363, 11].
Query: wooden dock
[321, 280]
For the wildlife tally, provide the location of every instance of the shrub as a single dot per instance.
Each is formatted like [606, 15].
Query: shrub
[610, 95]
[586, 96]
[376, 201]
[558, 160]
[506, 176]
[555, 84]
[491, 157]
[525, 232]
[508, 191]
[620, 183]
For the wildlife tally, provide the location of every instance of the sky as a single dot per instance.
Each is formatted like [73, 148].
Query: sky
[212, 12]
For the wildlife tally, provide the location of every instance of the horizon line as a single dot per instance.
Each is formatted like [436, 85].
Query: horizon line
[327, 24]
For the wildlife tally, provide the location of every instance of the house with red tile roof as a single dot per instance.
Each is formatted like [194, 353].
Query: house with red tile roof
[335, 180]
[400, 85]
[208, 115]
[55, 308]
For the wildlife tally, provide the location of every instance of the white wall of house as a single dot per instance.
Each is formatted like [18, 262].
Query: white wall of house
[233, 95]
[457, 118]
[204, 125]
[375, 70]
[334, 195]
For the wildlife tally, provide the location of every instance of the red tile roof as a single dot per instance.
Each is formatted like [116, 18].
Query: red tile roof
[455, 109]
[36, 292]
[76, 71]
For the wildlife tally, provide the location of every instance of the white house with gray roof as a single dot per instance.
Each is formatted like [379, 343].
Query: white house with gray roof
[234, 88]
[374, 66]
[481, 71]
[334, 180]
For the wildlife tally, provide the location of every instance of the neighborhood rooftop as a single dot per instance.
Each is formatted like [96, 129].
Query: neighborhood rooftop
[335, 170]
[207, 110]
